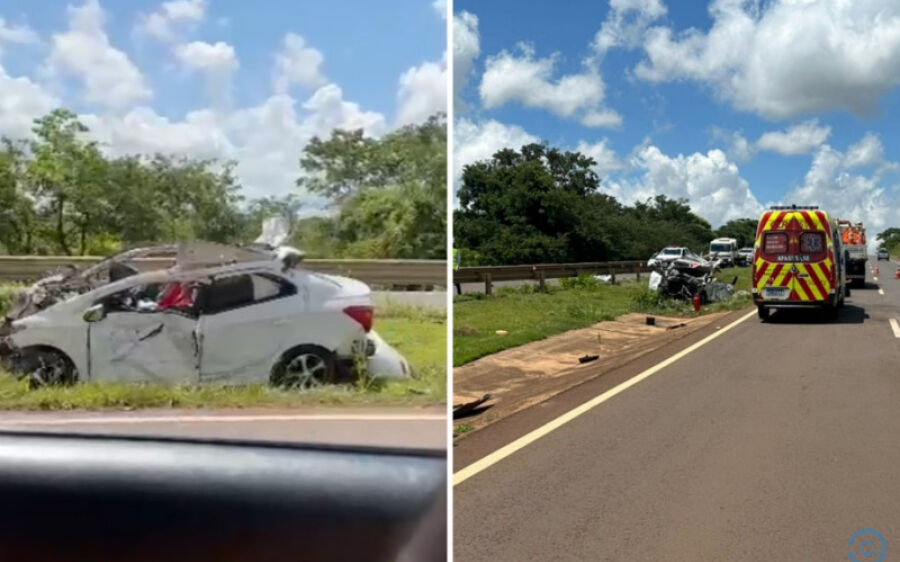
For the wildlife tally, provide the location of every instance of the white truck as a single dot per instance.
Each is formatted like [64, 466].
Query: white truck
[724, 250]
[853, 237]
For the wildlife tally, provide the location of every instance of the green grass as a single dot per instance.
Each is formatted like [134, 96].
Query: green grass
[528, 315]
[418, 333]
[461, 429]
[7, 292]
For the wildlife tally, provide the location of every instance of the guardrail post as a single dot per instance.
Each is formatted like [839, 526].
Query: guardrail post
[488, 286]
[637, 272]
[612, 276]
[542, 281]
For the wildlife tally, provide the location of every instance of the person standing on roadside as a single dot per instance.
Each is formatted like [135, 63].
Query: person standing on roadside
[456, 261]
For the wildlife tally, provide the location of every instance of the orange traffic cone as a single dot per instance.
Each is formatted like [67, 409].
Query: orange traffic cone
[876, 270]
[897, 275]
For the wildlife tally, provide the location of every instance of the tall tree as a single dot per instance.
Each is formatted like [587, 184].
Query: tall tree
[390, 192]
[744, 230]
[540, 204]
[63, 173]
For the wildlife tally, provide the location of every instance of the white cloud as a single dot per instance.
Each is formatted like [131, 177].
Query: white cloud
[710, 182]
[422, 93]
[16, 33]
[21, 101]
[740, 148]
[217, 58]
[602, 118]
[799, 139]
[142, 131]
[265, 140]
[466, 48]
[868, 151]
[107, 74]
[830, 184]
[217, 62]
[606, 158]
[440, 6]
[330, 111]
[529, 81]
[626, 22]
[297, 63]
[474, 141]
[171, 17]
[786, 57]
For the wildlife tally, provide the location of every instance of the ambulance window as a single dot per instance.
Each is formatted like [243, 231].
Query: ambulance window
[775, 243]
[812, 242]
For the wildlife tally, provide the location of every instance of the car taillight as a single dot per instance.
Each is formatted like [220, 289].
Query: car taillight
[362, 314]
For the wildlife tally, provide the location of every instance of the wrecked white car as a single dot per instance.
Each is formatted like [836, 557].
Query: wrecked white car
[235, 315]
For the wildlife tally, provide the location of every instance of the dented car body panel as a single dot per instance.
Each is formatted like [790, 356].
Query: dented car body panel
[230, 323]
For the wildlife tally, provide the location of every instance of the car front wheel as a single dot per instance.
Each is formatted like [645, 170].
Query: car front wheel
[304, 367]
[45, 367]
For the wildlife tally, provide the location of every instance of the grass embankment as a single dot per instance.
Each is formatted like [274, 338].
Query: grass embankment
[418, 333]
[528, 315]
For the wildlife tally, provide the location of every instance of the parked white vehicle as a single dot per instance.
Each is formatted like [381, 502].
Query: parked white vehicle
[258, 318]
[724, 251]
[667, 255]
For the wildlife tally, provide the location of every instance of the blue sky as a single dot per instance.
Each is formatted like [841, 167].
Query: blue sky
[731, 104]
[251, 81]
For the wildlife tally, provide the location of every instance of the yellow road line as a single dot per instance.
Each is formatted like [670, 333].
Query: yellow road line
[493, 458]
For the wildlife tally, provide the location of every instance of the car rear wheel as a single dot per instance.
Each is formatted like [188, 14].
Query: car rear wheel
[303, 368]
[762, 312]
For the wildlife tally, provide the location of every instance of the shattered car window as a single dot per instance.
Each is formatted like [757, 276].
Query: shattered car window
[228, 292]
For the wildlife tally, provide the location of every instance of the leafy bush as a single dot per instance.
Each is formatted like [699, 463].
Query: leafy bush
[582, 283]
[7, 294]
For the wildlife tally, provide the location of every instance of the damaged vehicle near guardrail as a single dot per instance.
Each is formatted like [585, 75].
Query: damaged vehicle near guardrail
[686, 277]
[222, 313]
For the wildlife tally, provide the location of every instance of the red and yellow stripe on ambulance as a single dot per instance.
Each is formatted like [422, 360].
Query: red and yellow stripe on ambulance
[804, 269]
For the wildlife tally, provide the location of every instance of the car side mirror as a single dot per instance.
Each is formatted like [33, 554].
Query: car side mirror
[95, 313]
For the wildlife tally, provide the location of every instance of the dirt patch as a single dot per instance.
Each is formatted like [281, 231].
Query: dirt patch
[523, 376]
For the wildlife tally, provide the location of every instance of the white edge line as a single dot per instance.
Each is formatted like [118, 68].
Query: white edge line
[214, 419]
[895, 327]
[487, 461]
[880, 291]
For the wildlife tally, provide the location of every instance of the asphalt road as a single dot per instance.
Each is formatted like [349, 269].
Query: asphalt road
[404, 428]
[773, 441]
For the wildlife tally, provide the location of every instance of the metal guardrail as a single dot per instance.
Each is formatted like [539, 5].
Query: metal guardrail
[395, 274]
[543, 271]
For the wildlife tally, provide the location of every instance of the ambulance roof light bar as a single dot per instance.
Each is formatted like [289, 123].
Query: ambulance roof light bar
[793, 207]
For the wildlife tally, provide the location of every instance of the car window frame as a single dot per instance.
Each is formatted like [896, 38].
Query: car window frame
[189, 313]
[288, 289]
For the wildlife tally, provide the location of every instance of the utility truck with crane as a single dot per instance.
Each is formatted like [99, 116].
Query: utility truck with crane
[853, 237]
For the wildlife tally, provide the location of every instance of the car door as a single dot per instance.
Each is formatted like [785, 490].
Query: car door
[130, 346]
[245, 324]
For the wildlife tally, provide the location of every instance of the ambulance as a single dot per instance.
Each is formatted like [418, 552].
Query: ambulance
[798, 261]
